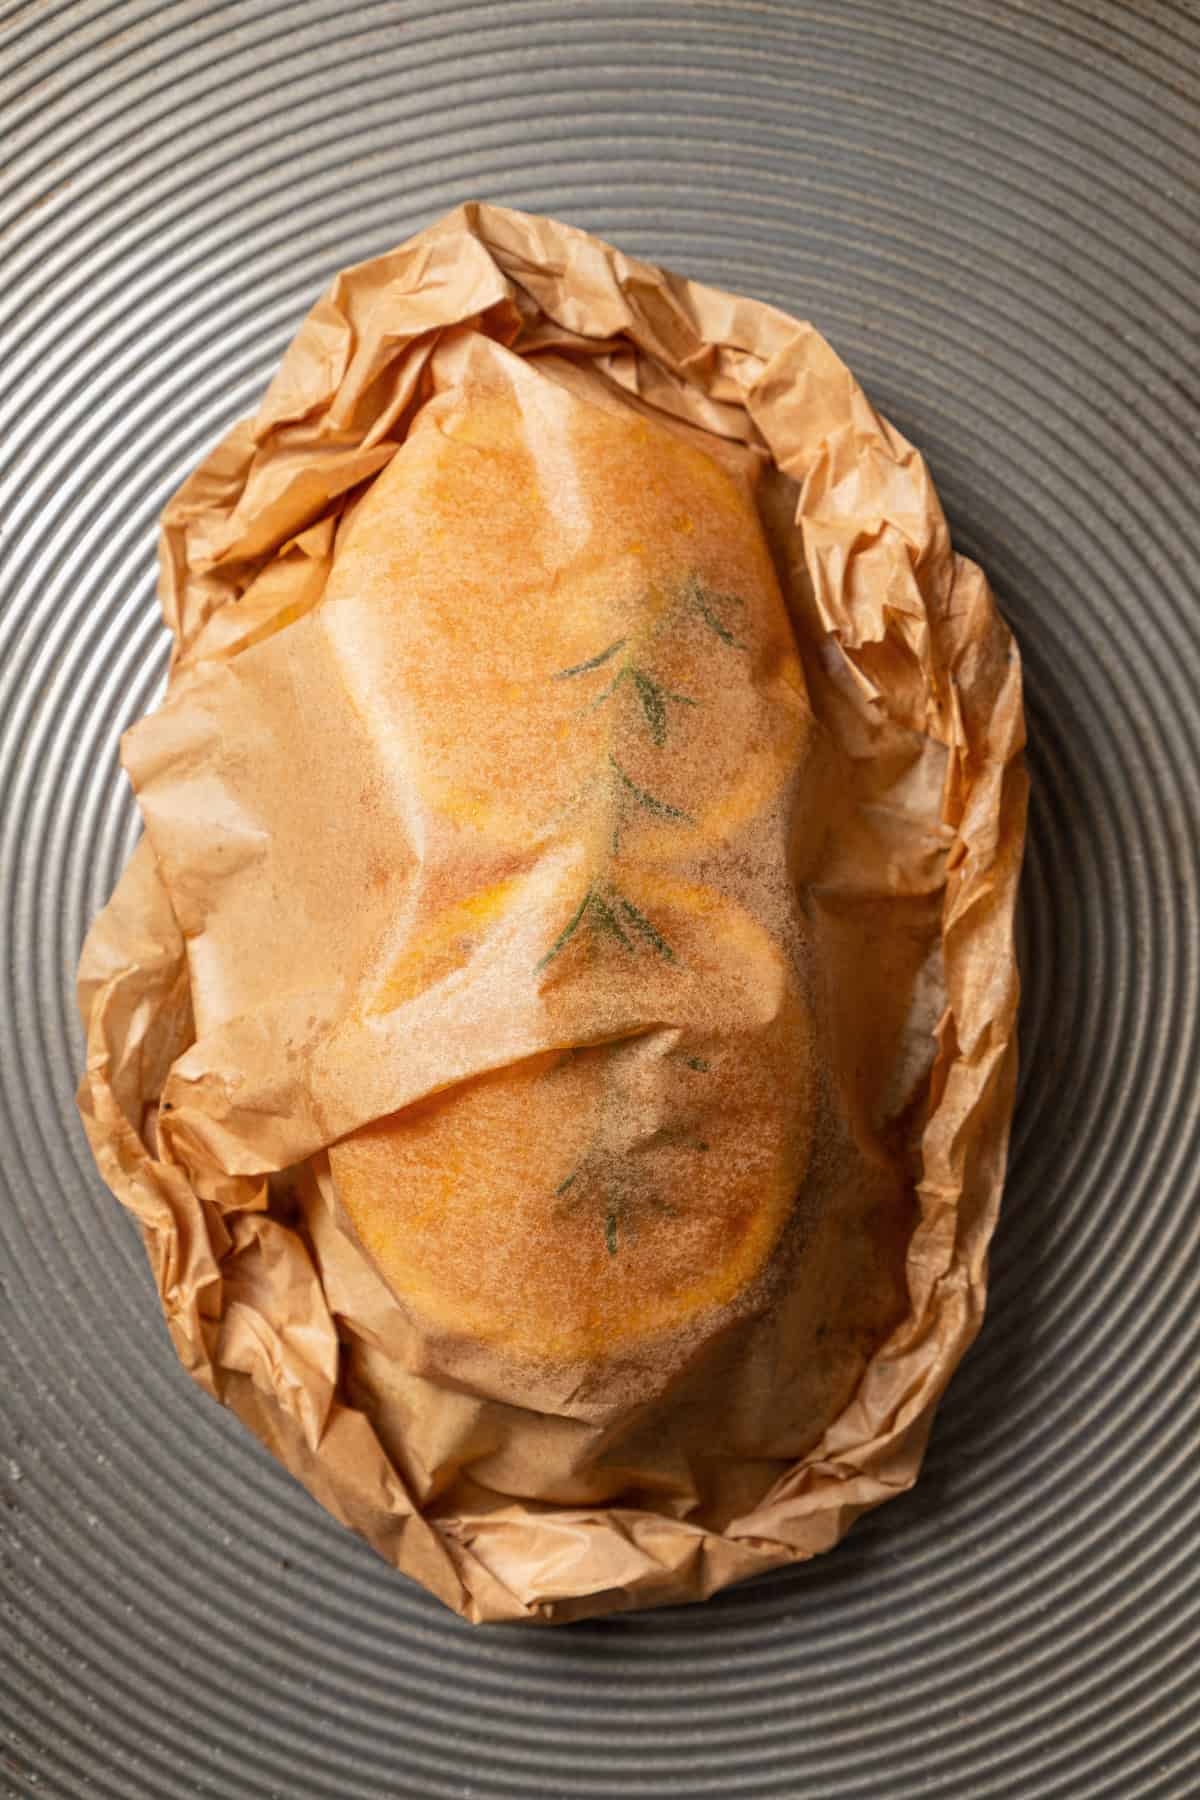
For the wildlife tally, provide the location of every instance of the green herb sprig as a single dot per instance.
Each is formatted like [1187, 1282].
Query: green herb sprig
[604, 1176]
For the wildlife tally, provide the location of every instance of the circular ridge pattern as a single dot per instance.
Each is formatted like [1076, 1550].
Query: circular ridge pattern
[992, 210]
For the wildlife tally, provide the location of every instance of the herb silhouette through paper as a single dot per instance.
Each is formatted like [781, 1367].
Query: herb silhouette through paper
[615, 1184]
[604, 1177]
[603, 907]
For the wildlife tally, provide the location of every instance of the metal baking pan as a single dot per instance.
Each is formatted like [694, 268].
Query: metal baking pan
[992, 210]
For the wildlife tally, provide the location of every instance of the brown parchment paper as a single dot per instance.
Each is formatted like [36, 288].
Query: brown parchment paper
[232, 1043]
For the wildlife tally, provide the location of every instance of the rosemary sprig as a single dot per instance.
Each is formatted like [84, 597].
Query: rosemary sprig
[652, 696]
[604, 907]
[641, 923]
[606, 910]
[608, 921]
[607, 693]
[653, 704]
[703, 599]
[605, 1176]
[660, 808]
[566, 934]
[593, 662]
[600, 1178]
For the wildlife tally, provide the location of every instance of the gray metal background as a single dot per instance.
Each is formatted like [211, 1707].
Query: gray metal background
[991, 209]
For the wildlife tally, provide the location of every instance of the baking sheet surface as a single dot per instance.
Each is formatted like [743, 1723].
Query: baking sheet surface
[993, 213]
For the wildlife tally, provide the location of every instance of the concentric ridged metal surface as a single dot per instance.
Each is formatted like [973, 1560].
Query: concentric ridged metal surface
[992, 209]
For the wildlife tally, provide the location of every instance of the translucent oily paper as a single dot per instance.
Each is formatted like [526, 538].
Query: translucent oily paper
[557, 1030]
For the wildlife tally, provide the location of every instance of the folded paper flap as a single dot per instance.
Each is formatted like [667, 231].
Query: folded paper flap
[464, 885]
[689, 784]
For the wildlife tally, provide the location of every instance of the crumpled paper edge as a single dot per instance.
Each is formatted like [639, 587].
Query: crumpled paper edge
[331, 419]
